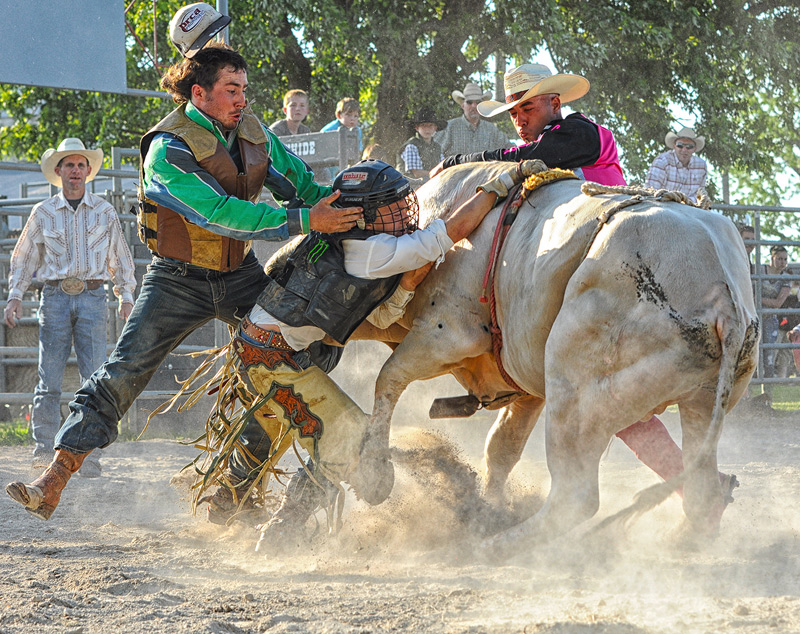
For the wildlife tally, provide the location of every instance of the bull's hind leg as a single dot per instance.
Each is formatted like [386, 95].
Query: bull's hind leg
[703, 497]
[599, 378]
[505, 442]
[574, 449]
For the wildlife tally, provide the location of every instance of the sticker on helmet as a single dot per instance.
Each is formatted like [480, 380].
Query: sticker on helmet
[354, 178]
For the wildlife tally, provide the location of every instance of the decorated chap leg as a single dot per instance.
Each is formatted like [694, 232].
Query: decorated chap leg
[317, 414]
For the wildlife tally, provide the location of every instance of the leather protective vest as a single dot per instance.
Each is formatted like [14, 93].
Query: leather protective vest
[169, 234]
[313, 288]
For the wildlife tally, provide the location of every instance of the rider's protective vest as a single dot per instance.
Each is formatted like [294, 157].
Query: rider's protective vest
[313, 288]
[169, 234]
[606, 169]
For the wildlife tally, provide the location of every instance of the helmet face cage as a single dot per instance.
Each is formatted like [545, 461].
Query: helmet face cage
[397, 218]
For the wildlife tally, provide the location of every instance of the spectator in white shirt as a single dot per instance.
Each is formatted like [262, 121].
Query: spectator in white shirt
[680, 169]
[73, 242]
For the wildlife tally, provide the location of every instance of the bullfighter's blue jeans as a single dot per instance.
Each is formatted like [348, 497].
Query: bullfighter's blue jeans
[64, 320]
[175, 299]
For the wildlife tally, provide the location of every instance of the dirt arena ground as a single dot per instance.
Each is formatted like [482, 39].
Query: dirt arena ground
[124, 554]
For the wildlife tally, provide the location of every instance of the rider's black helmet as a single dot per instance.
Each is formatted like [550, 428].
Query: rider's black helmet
[385, 195]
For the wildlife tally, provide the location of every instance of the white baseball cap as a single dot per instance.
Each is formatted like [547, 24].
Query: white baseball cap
[194, 25]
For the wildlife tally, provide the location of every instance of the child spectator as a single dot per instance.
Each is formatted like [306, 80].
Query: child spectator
[295, 107]
[420, 154]
[347, 114]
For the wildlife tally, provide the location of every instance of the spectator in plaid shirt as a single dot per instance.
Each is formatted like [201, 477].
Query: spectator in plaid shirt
[469, 132]
[679, 169]
[420, 154]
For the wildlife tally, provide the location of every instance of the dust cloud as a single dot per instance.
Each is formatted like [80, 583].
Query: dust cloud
[124, 553]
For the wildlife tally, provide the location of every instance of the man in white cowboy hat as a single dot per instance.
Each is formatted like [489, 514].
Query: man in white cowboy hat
[533, 99]
[680, 169]
[469, 132]
[73, 242]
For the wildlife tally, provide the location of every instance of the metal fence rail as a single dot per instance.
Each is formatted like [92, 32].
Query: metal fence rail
[123, 197]
[754, 214]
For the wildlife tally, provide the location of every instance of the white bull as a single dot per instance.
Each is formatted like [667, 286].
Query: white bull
[655, 309]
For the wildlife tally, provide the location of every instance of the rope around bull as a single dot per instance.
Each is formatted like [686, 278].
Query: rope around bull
[663, 195]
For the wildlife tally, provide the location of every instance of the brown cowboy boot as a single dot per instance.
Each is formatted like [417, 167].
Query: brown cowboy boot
[40, 497]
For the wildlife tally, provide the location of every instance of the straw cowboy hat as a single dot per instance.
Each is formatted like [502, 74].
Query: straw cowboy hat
[530, 80]
[472, 92]
[194, 25]
[426, 115]
[68, 147]
[685, 133]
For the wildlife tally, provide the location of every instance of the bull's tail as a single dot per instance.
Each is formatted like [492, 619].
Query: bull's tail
[732, 341]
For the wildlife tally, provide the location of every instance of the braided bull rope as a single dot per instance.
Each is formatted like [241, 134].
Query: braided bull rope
[663, 195]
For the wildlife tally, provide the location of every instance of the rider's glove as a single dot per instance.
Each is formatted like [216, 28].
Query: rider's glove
[514, 174]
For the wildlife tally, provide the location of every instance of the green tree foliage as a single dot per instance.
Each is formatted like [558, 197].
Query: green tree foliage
[732, 65]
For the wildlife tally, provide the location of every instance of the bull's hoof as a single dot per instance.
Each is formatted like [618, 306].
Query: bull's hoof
[694, 537]
[494, 550]
[373, 478]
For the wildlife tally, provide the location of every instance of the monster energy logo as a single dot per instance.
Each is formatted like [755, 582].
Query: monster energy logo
[317, 250]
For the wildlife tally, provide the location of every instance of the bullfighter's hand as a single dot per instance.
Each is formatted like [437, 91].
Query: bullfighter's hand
[412, 279]
[437, 170]
[125, 309]
[326, 219]
[12, 312]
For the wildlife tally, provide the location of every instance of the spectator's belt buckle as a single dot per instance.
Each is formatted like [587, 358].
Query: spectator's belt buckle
[73, 285]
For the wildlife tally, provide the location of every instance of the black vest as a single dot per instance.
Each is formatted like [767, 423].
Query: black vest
[313, 289]
[429, 153]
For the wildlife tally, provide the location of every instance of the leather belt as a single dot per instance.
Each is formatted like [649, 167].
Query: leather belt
[270, 338]
[75, 285]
